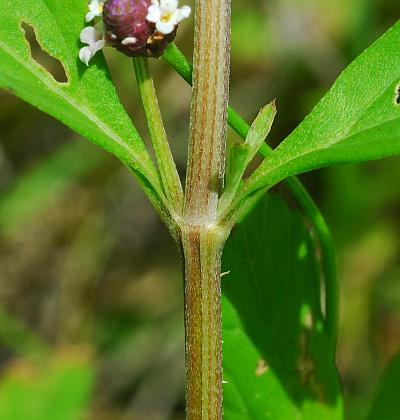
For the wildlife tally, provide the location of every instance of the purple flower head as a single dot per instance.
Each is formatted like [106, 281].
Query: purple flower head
[138, 28]
[129, 31]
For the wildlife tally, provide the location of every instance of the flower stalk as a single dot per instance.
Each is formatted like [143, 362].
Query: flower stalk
[168, 172]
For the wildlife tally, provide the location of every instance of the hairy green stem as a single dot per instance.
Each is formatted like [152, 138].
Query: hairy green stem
[202, 251]
[168, 172]
[174, 57]
[202, 238]
[208, 117]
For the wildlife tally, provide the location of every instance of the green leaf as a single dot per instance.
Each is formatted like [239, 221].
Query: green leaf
[357, 120]
[387, 404]
[37, 186]
[278, 357]
[260, 129]
[87, 102]
[59, 391]
[240, 155]
[16, 336]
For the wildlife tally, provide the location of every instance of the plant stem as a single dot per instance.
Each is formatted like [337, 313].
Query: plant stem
[202, 250]
[174, 57]
[208, 122]
[168, 172]
[202, 239]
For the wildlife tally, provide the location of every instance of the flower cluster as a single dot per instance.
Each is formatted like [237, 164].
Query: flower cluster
[134, 27]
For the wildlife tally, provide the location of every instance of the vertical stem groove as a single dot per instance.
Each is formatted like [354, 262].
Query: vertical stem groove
[206, 161]
[202, 239]
[202, 253]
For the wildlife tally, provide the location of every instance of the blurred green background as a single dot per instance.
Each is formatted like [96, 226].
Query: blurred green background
[90, 282]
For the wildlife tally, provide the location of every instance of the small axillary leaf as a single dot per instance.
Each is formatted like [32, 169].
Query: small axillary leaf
[51, 64]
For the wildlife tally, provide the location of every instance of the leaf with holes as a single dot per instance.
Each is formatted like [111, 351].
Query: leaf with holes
[357, 120]
[83, 98]
[278, 357]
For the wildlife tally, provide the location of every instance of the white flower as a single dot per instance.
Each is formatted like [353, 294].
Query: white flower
[95, 40]
[166, 15]
[95, 9]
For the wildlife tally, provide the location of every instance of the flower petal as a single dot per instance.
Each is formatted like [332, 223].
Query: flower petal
[169, 6]
[97, 46]
[130, 40]
[96, 6]
[165, 27]
[85, 54]
[95, 9]
[184, 12]
[90, 16]
[89, 35]
[153, 13]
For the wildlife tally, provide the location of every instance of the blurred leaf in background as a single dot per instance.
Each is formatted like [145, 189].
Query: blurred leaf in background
[125, 285]
[39, 384]
[387, 404]
[272, 313]
[59, 390]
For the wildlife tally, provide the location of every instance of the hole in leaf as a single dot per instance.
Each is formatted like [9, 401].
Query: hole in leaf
[397, 97]
[51, 64]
